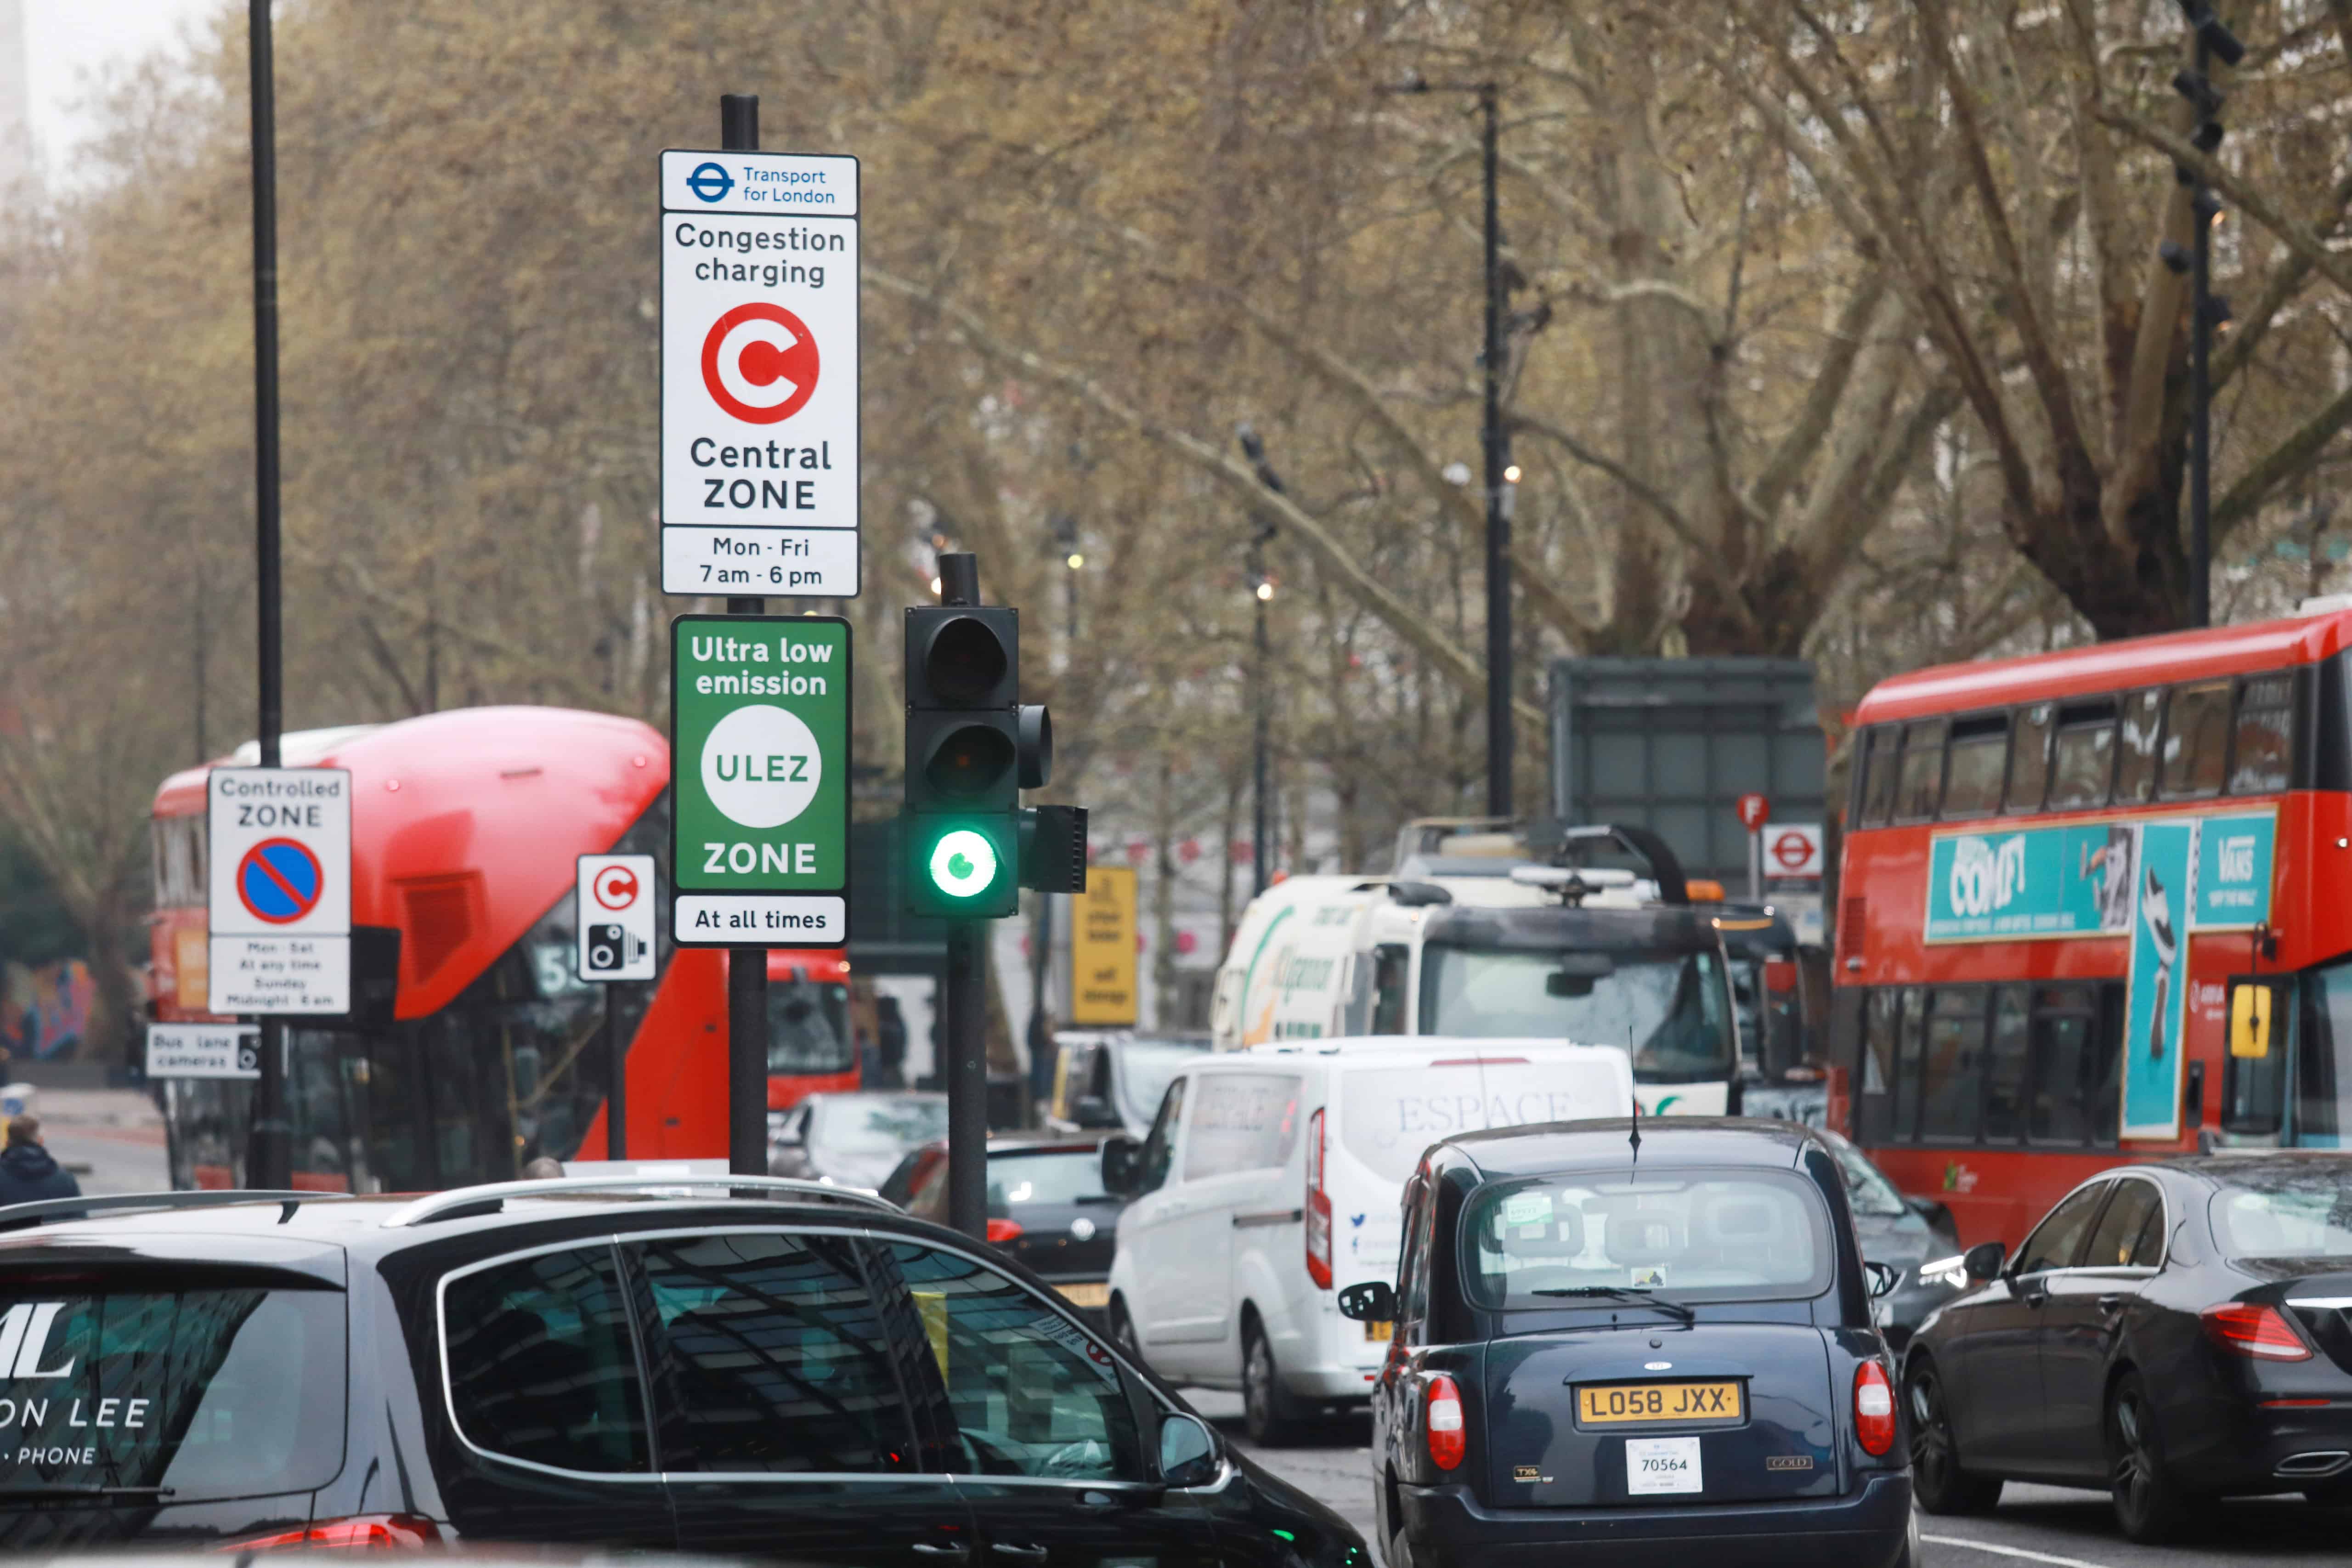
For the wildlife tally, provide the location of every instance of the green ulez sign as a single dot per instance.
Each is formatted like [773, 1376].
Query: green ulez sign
[760, 780]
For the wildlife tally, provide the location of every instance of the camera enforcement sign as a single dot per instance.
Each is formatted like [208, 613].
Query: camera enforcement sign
[280, 904]
[615, 899]
[758, 781]
[759, 361]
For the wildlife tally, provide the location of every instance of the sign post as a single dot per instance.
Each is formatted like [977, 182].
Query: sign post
[614, 904]
[1755, 811]
[1102, 949]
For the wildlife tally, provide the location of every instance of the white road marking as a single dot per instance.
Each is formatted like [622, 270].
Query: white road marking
[2050, 1557]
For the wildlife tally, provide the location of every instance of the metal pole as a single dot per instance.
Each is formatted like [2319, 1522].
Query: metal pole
[747, 967]
[964, 1039]
[1261, 819]
[2200, 396]
[1755, 865]
[1498, 516]
[616, 1069]
[271, 1159]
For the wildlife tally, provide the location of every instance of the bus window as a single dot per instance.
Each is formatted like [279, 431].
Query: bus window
[1922, 774]
[1883, 1026]
[2322, 1088]
[1951, 1085]
[808, 1027]
[2253, 1085]
[2143, 713]
[2084, 755]
[1907, 1065]
[2265, 736]
[2197, 740]
[2004, 1115]
[2029, 767]
[1877, 772]
[1979, 757]
[2077, 1060]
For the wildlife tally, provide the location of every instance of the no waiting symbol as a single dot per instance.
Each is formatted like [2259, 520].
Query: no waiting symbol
[759, 363]
[615, 887]
[279, 881]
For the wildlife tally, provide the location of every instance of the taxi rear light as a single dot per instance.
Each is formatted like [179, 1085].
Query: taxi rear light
[1874, 1409]
[1440, 1422]
[1318, 1209]
[2251, 1329]
[1003, 1230]
[2296, 1403]
[360, 1532]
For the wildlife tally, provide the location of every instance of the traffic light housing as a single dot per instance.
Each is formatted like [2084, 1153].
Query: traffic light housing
[972, 747]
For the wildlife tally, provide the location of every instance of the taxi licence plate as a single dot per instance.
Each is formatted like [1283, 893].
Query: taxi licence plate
[1092, 1293]
[1374, 1329]
[1607, 1404]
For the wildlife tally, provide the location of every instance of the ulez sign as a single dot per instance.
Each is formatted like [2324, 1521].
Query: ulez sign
[760, 780]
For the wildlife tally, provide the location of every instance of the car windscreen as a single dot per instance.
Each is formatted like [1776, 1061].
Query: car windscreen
[1388, 1115]
[214, 1391]
[878, 1126]
[1867, 1188]
[2299, 1209]
[1672, 1010]
[1145, 1068]
[1714, 1234]
[1061, 1176]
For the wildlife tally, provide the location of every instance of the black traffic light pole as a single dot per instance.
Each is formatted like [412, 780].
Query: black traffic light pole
[963, 1033]
[269, 1157]
[747, 967]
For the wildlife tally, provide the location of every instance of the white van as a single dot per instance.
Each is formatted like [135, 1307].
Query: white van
[1270, 1178]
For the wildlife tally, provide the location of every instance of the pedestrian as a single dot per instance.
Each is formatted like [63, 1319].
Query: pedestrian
[890, 1041]
[28, 1172]
[545, 1168]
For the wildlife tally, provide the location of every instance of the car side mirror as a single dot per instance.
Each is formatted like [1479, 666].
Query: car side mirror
[1983, 1261]
[1093, 1111]
[1188, 1452]
[1374, 1301]
[1122, 1166]
[1884, 1278]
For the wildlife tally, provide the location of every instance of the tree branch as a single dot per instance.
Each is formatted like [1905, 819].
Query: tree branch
[2281, 463]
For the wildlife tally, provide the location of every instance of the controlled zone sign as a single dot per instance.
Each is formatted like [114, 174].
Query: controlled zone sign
[760, 781]
[204, 1050]
[759, 402]
[615, 899]
[279, 894]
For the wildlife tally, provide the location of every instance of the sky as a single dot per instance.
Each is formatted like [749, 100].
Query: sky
[69, 42]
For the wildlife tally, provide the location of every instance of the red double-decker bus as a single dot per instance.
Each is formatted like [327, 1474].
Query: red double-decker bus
[465, 829]
[2092, 909]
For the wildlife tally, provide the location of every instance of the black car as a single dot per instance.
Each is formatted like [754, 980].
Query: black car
[2170, 1332]
[856, 1139]
[1046, 1207]
[792, 1372]
[1629, 1351]
[1906, 1233]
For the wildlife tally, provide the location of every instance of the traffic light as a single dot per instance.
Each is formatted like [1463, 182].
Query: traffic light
[972, 746]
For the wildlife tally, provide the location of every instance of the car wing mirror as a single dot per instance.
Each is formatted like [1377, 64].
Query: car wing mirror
[1188, 1451]
[1884, 1277]
[1122, 1166]
[1983, 1261]
[1374, 1301]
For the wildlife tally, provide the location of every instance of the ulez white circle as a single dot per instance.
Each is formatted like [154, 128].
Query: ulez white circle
[760, 766]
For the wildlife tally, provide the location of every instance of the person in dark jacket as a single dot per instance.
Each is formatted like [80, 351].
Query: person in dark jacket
[27, 1172]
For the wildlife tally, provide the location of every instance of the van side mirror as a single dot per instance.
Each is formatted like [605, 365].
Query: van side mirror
[1188, 1452]
[1374, 1301]
[1122, 1166]
[1983, 1261]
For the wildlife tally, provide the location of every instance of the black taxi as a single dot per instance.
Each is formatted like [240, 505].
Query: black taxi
[744, 1367]
[1624, 1341]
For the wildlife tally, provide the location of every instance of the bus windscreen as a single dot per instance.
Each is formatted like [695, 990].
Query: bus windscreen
[1672, 1009]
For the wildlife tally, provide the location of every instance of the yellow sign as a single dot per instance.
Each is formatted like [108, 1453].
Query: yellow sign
[2250, 1022]
[1102, 948]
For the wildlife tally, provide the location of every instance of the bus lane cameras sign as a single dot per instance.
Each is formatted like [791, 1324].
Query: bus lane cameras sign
[279, 894]
[758, 403]
[760, 779]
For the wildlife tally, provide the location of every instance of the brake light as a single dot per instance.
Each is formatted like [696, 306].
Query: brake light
[1874, 1409]
[1440, 1421]
[362, 1533]
[1318, 1209]
[2250, 1329]
[1004, 1230]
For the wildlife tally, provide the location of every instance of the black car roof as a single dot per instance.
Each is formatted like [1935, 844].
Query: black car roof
[1549, 1147]
[2222, 1168]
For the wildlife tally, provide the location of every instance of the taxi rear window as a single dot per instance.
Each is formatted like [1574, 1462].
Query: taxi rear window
[203, 1393]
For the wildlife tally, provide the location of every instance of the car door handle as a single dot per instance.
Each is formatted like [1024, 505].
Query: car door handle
[1026, 1553]
[952, 1549]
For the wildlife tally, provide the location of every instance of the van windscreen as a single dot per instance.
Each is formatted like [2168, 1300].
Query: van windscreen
[195, 1393]
[1388, 1116]
[1672, 1010]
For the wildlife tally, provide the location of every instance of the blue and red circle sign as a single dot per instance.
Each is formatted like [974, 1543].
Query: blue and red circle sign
[279, 881]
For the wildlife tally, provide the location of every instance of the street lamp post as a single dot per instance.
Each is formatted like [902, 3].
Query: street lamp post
[2212, 41]
[1262, 593]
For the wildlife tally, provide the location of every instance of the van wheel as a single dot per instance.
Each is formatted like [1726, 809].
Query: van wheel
[1267, 1413]
[1936, 1478]
[2150, 1508]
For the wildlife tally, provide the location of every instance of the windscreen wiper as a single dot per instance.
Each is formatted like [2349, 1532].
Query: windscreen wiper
[1626, 1293]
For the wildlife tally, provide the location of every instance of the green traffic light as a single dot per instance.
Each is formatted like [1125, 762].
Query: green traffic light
[963, 863]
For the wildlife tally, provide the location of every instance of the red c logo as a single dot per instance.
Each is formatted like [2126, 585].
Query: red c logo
[759, 363]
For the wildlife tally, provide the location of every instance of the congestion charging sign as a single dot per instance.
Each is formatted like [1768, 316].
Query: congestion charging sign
[278, 901]
[759, 403]
[760, 781]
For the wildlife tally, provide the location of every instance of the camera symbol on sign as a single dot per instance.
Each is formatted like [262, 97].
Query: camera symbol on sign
[248, 1056]
[611, 947]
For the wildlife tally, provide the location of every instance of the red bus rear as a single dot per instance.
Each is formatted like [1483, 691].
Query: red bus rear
[2063, 878]
[464, 828]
